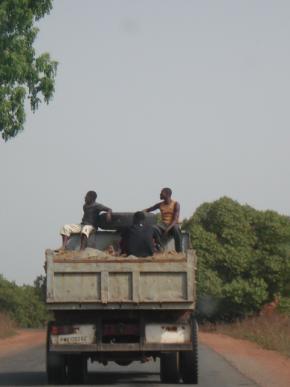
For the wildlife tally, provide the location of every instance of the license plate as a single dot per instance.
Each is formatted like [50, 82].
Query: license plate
[73, 339]
[83, 334]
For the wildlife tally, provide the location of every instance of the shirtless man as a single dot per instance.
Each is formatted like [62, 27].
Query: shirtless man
[169, 210]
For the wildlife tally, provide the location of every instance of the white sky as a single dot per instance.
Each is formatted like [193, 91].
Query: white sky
[193, 95]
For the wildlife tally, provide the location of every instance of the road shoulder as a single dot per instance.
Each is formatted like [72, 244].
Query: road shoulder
[24, 339]
[266, 368]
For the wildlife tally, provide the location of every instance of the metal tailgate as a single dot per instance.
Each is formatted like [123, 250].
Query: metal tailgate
[121, 283]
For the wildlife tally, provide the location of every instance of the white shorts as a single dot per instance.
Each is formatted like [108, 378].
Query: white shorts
[69, 229]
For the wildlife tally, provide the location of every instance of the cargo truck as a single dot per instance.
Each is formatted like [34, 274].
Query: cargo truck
[121, 309]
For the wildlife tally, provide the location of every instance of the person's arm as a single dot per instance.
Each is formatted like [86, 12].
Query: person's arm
[175, 217]
[153, 208]
[109, 214]
[108, 211]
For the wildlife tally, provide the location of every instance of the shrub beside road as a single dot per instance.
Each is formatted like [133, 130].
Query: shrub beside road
[7, 326]
[21, 306]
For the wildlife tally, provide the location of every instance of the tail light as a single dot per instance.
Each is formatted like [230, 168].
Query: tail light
[63, 330]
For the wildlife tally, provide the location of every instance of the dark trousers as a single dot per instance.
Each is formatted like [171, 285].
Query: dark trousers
[158, 234]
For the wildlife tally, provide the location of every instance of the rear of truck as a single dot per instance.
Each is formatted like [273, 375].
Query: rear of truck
[121, 309]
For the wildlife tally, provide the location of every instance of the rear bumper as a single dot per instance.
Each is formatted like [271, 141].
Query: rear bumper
[120, 331]
[134, 347]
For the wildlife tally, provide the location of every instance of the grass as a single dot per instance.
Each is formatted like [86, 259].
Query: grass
[270, 332]
[7, 326]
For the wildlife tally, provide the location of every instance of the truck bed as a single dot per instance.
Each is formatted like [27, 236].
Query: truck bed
[95, 280]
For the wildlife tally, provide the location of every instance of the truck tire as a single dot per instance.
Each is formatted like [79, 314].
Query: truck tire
[189, 360]
[55, 363]
[55, 368]
[169, 367]
[76, 369]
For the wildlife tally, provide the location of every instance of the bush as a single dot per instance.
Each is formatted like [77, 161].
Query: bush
[284, 306]
[22, 303]
[7, 326]
[243, 257]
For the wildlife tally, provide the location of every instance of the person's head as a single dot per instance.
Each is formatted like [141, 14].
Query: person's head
[165, 194]
[138, 217]
[90, 197]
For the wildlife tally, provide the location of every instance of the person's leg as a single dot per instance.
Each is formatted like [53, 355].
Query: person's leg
[176, 233]
[84, 241]
[66, 232]
[65, 239]
[85, 233]
[158, 231]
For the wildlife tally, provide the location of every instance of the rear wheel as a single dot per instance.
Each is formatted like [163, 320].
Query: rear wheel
[169, 367]
[76, 369]
[189, 360]
[55, 368]
[55, 363]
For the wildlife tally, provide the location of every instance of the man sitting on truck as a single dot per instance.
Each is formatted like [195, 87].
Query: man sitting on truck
[169, 210]
[89, 222]
[138, 239]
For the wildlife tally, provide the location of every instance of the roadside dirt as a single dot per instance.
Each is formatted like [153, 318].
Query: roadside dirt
[266, 368]
[24, 339]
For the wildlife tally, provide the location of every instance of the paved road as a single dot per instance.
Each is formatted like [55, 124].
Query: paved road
[28, 369]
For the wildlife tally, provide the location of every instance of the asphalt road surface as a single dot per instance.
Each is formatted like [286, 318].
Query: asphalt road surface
[28, 369]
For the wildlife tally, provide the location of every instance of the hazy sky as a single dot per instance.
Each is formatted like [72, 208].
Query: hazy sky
[193, 95]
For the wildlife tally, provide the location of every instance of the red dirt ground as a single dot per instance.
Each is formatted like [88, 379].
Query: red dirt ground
[266, 368]
[24, 339]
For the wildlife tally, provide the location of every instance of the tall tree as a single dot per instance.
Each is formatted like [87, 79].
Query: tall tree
[243, 257]
[23, 75]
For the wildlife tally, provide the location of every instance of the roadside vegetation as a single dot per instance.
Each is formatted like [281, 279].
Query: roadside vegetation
[7, 326]
[284, 306]
[243, 259]
[26, 77]
[243, 272]
[21, 306]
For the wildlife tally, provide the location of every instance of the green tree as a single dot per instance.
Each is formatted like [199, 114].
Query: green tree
[40, 287]
[23, 74]
[243, 257]
[23, 303]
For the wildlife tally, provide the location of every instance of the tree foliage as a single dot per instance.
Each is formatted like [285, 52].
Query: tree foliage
[22, 73]
[23, 304]
[40, 287]
[244, 257]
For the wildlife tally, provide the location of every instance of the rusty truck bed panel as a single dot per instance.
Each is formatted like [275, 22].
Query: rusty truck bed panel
[120, 283]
